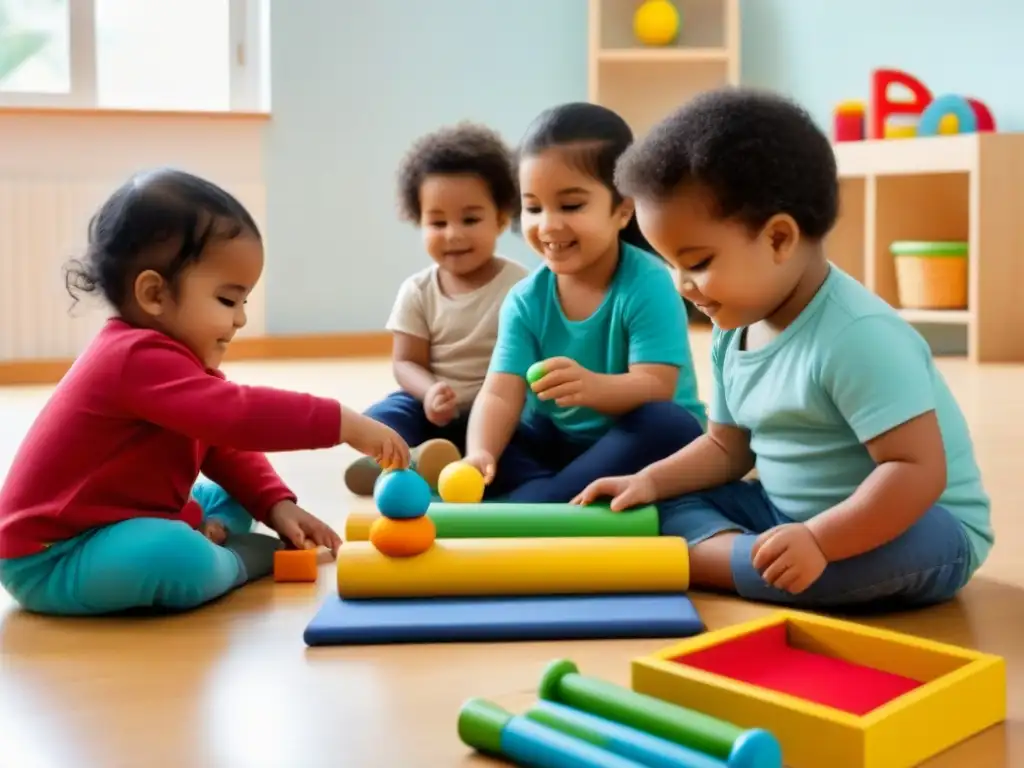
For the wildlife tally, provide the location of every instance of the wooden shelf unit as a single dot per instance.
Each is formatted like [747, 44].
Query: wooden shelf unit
[966, 187]
[646, 83]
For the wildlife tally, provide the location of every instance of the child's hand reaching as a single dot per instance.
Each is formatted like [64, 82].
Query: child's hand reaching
[625, 491]
[371, 438]
[440, 404]
[484, 464]
[788, 557]
[301, 529]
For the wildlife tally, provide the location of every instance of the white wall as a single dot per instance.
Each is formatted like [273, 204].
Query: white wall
[354, 84]
[57, 167]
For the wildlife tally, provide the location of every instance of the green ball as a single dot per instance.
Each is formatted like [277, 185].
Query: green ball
[535, 372]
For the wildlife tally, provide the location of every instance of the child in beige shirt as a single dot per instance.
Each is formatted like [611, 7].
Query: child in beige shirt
[457, 185]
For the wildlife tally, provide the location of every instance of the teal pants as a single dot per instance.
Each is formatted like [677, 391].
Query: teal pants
[143, 563]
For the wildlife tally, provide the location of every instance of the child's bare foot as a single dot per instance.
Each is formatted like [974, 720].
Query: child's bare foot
[214, 530]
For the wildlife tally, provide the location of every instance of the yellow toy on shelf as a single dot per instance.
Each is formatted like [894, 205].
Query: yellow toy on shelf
[656, 22]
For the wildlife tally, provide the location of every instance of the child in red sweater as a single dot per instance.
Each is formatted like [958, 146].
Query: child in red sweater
[101, 511]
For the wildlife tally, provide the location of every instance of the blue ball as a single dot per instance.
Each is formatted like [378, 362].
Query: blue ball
[755, 748]
[402, 494]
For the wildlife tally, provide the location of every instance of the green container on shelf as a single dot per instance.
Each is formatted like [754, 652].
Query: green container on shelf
[931, 274]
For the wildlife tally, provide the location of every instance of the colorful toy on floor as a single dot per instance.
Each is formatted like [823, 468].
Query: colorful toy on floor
[460, 483]
[401, 494]
[490, 520]
[513, 572]
[834, 693]
[403, 528]
[922, 114]
[481, 619]
[402, 538]
[585, 721]
[517, 567]
[295, 565]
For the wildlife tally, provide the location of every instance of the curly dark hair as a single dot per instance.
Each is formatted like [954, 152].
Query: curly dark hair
[464, 148]
[757, 153]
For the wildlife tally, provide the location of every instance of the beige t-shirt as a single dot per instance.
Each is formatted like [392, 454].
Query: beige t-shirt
[462, 330]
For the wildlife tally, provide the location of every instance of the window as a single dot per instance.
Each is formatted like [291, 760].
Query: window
[189, 55]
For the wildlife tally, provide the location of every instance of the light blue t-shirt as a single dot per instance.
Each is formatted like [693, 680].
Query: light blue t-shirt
[642, 319]
[848, 369]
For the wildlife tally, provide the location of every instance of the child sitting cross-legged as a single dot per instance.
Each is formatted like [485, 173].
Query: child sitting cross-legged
[101, 511]
[869, 493]
[458, 186]
[600, 322]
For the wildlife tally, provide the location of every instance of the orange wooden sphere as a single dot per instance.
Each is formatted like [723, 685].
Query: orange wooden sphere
[403, 538]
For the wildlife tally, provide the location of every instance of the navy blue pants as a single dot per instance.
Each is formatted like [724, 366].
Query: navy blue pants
[404, 414]
[541, 464]
[929, 563]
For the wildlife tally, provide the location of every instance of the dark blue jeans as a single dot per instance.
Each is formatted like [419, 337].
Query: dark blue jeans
[929, 563]
[541, 464]
[404, 414]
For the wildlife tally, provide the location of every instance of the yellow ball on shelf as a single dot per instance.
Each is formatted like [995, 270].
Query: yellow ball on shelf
[656, 22]
[460, 483]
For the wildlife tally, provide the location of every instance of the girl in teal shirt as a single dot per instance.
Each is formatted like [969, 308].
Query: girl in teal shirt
[602, 318]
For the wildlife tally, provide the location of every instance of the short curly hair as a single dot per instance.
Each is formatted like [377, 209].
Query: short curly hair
[464, 148]
[758, 154]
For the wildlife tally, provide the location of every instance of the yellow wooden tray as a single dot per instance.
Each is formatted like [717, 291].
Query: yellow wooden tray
[960, 692]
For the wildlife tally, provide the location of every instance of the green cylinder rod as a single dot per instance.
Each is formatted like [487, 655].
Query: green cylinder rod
[480, 725]
[492, 520]
[563, 683]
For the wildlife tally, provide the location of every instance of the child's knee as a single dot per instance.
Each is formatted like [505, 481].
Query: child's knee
[168, 548]
[165, 563]
[216, 503]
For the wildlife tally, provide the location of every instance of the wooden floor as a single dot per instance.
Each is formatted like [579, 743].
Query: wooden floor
[233, 686]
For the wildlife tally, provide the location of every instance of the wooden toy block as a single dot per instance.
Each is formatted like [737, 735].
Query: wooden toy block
[295, 565]
[835, 693]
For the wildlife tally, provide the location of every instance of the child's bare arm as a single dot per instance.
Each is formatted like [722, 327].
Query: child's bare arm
[615, 394]
[495, 414]
[909, 478]
[720, 456]
[410, 356]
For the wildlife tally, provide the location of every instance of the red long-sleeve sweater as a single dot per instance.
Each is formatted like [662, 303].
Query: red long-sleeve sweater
[128, 430]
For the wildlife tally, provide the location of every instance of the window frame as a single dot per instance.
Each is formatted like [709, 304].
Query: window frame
[246, 49]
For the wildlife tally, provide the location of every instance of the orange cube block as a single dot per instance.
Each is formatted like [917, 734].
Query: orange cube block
[295, 565]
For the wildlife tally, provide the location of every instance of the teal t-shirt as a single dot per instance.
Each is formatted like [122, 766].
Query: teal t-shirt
[642, 319]
[848, 369]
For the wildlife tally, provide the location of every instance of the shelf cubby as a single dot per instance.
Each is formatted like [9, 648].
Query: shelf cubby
[645, 83]
[845, 243]
[917, 207]
[965, 187]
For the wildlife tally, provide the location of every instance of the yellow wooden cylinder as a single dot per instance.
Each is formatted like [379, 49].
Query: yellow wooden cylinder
[513, 567]
[358, 522]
